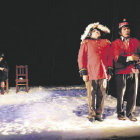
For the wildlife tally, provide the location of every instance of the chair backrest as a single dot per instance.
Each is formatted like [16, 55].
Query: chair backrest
[21, 71]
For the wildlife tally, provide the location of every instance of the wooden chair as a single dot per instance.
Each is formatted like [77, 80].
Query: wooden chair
[21, 77]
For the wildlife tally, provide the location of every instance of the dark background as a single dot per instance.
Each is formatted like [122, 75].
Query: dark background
[46, 35]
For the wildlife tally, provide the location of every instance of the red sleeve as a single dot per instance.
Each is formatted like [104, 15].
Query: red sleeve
[110, 56]
[82, 56]
[138, 48]
[115, 51]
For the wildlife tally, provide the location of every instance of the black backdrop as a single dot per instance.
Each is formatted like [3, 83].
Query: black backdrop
[46, 36]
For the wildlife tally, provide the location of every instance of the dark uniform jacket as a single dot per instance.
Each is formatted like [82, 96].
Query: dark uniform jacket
[121, 50]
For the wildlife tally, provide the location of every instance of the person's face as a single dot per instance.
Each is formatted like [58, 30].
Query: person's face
[95, 34]
[125, 31]
[1, 59]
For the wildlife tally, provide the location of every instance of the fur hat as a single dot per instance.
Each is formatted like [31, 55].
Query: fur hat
[94, 26]
[123, 23]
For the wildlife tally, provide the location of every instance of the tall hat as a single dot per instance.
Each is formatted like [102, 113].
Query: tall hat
[123, 23]
[93, 26]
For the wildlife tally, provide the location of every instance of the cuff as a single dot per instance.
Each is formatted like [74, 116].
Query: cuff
[129, 58]
[83, 71]
[110, 71]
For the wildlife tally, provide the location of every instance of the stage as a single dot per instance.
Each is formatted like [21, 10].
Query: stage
[60, 113]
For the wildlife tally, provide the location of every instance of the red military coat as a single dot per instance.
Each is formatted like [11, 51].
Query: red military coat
[95, 57]
[119, 49]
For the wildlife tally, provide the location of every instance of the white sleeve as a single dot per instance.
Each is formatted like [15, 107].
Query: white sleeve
[129, 58]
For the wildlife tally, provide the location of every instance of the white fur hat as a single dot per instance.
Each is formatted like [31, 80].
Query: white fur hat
[92, 26]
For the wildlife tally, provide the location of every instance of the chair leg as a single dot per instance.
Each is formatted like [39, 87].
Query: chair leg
[7, 86]
[16, 88]
[27, 88]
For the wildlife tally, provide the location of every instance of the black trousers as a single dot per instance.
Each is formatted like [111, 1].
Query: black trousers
[3, 76]
[129, 83]
[98, 94]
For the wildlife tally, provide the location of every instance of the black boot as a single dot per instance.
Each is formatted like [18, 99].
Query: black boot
[100, 119]
[2, 90]
[91, 119]
[91, 116]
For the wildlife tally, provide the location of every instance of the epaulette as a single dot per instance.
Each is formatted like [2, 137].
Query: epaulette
[108, 41]
[84, 41]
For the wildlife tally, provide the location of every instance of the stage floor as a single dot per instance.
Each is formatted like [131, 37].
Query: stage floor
[60, 113]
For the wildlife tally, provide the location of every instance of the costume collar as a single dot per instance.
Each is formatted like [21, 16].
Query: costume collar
[123, 38]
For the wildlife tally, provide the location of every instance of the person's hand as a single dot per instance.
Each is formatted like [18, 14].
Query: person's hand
[5, 69]
[135, 70]
[135, 57]
[85, 78]
[1, 68]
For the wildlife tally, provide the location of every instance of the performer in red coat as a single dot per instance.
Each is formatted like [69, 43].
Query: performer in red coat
[95, 63]
[126, 52]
